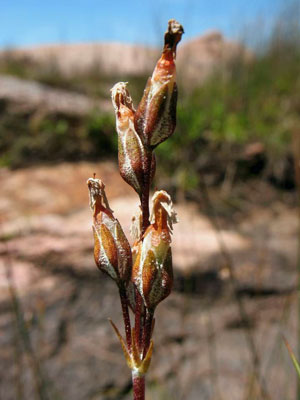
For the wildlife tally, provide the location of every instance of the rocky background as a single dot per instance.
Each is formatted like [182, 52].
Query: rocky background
[217, 336]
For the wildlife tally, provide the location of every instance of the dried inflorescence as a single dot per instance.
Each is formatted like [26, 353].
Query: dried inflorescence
[131, 152]
[144, 271]
[152, 271]
[112, 250]
[155, 118]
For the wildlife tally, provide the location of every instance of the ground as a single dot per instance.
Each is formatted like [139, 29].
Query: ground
[217, 336]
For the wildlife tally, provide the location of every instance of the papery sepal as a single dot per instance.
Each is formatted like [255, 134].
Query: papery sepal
[152, 271]
[112, 250]
[155, 118]
[131, 150]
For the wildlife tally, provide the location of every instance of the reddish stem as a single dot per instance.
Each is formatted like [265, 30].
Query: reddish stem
[147, 331]
[138, 383]
[144, 198]
[138, 318]
[140, 333]
[146, 189]
[126, 317]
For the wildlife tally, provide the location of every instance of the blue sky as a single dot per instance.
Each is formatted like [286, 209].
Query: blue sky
[32, 22]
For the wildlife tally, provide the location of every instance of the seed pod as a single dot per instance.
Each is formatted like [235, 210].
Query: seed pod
[131, 151]
[152, 271]
[155, 118]
[111, 250]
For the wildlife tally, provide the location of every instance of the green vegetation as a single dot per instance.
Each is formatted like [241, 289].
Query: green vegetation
[27, 140]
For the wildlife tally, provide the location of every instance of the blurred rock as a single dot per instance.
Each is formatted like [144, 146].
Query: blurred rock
[202, 348]
[199, 57]
[27, 96]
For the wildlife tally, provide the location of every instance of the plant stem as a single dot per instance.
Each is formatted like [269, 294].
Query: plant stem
[239, 301]
[141, 329]
[147, 330]
[144, 198]
[126, 317]
[138, 317]
[138, 383]
[39, 379]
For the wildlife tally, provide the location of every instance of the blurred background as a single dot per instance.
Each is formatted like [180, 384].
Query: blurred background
[232, 168]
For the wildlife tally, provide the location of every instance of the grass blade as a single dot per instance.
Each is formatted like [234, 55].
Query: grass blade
[292, 355]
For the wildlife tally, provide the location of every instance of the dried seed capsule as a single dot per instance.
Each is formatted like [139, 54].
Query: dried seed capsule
[131, 151]
[152, 271]
[111, 250]
[155, 118]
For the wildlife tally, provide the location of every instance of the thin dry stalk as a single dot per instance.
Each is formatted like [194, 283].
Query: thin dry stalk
[240, 304]
[212, 354]
[23, 332]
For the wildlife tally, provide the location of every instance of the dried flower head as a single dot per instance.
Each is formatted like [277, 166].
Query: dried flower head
[131, 149]
[131, 152]
[163, 213]
[155, 118]
[152, 271]
[111, 250]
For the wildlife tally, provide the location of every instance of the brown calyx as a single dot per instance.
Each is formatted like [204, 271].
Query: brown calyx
[173, 35]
